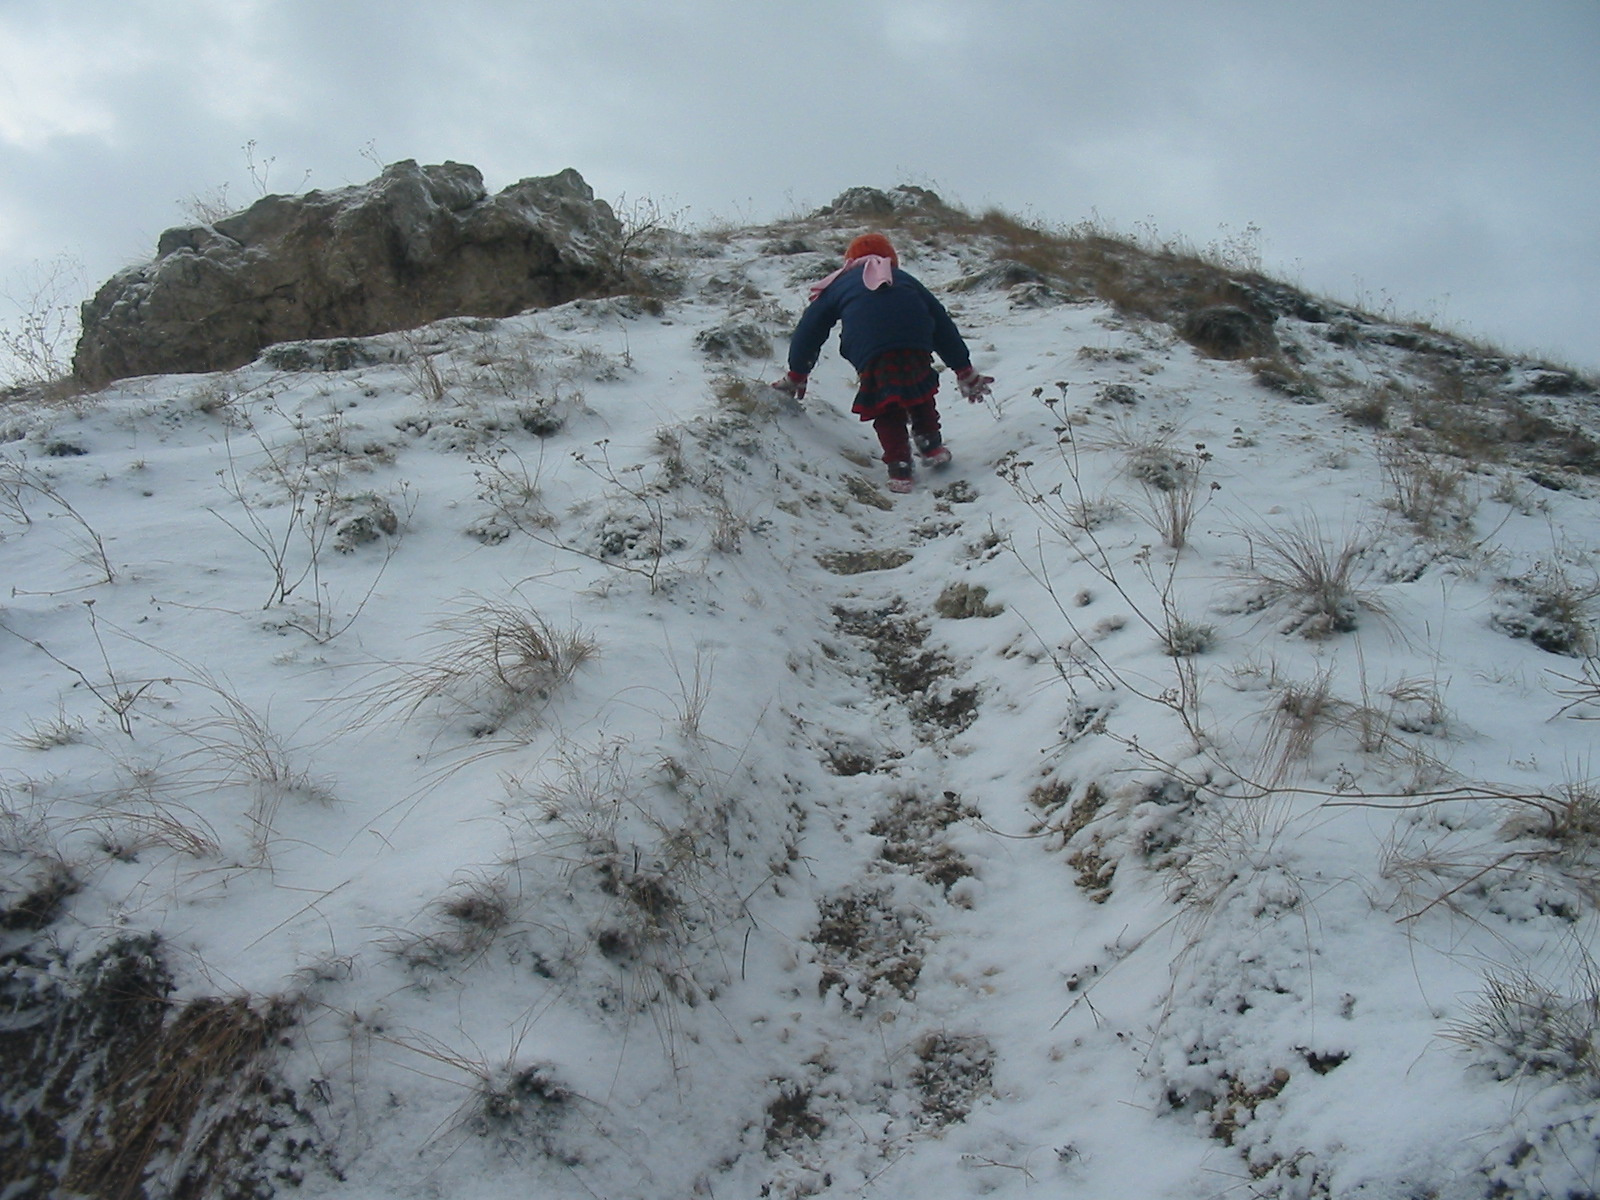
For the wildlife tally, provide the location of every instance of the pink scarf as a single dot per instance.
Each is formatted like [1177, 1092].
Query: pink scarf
[878, 271]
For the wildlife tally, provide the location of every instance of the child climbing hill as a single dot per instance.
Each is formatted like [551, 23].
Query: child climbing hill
[890, 327]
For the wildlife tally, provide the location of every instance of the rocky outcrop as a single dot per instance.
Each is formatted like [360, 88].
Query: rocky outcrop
[414, 245]
[873, 202]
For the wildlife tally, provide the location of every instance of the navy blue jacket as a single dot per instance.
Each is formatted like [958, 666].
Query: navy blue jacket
[902, 315]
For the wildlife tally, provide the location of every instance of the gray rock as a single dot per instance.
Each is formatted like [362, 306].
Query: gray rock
[416, 244]
[874, 202]
[739, 339]
[1000, 275]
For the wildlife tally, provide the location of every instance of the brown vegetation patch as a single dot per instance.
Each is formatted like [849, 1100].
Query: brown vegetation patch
[1236, 1109]
[951, 1074]
[112, 1090]
[911, 831]
[866, 947]
[860, 562]
[789, 1117]
[906, 668]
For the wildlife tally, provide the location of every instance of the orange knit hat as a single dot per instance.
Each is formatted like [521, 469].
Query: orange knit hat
[871, 243]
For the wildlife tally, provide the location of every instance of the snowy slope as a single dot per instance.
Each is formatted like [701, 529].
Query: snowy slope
[622, 795]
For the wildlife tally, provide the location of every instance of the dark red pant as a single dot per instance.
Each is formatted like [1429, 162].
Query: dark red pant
[890, 426]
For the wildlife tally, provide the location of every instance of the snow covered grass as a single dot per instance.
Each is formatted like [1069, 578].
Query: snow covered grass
[523, 755]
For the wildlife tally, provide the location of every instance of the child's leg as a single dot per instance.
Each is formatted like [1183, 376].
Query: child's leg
[891, 430]
[925, 424]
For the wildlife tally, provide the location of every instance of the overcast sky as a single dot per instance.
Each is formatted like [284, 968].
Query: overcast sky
[1440, 157]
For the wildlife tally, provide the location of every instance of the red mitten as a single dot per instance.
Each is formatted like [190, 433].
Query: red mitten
[973, 386]
[792, 385]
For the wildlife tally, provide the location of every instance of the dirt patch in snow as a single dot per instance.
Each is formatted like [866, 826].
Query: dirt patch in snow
[908, 669]
[859, 562]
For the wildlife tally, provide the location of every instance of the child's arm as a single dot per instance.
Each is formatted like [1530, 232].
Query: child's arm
[806, 343]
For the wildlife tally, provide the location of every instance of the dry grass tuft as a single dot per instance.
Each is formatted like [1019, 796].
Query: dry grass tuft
[1314, 576]
[1550, 608]
[208, 1053]
[747, 397]
[497, 660]
[1426, 489]
[1521, 1026]
[114, 1090]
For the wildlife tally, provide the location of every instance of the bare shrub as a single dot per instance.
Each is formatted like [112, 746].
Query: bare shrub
[115, 691]
[23, 485]
[634, 537]
[302, 514]
[513, 493]
[1584, 692]
[212, 205]
[647, 224]
[36, 344]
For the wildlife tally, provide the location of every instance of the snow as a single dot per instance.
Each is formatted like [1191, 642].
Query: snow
[744, 905]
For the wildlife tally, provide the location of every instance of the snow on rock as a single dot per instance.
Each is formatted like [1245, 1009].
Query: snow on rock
[413, 245]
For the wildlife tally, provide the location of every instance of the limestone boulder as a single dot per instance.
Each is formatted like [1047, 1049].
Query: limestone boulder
[416, 244]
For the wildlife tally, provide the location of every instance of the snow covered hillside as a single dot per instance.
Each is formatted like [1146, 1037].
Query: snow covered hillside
[522, 757]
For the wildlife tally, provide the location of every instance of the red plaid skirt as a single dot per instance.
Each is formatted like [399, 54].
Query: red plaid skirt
[895, 379]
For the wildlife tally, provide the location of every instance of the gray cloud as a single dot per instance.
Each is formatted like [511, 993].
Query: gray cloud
[1444, 155]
